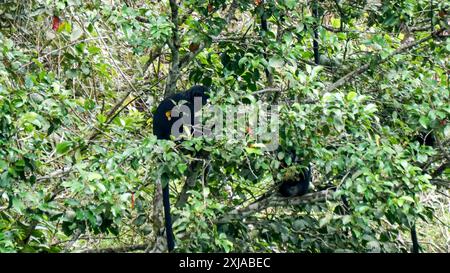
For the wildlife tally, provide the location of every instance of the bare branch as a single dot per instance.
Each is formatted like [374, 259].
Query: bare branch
[265, 90]
[116, 249]
[55, 174]
[274, 201]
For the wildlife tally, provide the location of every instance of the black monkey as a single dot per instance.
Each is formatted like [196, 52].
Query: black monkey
[296, 177]
[163, 119]
[297, 185]
[425, 138]
[162, 128]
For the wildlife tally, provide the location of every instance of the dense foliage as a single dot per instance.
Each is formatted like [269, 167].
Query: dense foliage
[79, 165]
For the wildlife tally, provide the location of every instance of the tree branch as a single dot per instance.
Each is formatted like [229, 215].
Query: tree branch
[55, 174]
[274, 201]
[194, 168]
[265, 90]
[116, 249]
[174, 45]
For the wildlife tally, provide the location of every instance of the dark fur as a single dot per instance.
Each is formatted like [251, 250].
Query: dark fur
[161, 125]
[297, 187]
[162, 129]
[425, 138]
[315, 13]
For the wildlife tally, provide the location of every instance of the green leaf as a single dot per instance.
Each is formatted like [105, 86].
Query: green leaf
[447, 131]
[63, 147]
[3, 165]
[65, 26]
[101, 187]
[351, 96]
[424, 121]
[346, 219]
[407, 198]
[33, 118]
[276, 62]
[316, 71]
[182, 167]
[290, 4]
[18, 204]
[336, 23]
[324, 221]
[93, 176]
[95, 50]
[250, 150]
[101, 118]
[370, 108]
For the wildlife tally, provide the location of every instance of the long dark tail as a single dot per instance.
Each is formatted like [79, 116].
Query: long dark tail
[415, 242]
[315, 12]
[168, 218]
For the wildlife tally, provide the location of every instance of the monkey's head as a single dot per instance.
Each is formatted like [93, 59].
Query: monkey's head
[199, 91]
